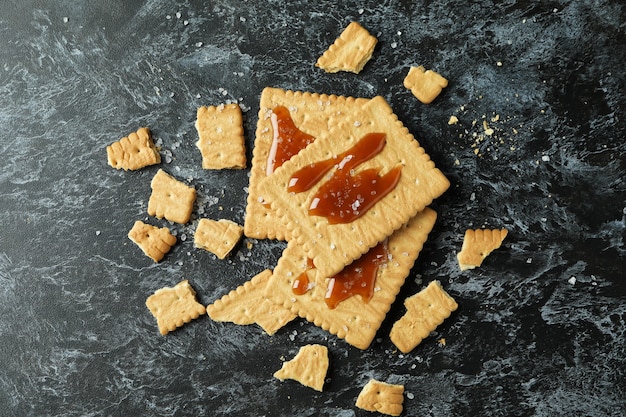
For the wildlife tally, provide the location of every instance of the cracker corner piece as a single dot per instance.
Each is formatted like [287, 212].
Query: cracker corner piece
[217, 236]
[425, 311]
[221, 141]
[173, 307]
[425, 85]
[381, 397]
[170, 198]
[247, 304]
[154, 242]
[308, 367]
[477, 245]
[132, 152]
[350, 51]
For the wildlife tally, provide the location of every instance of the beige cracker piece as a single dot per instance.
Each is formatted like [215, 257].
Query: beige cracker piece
[424, 84]
[248, 304]
[217, 236]
[134, 151]
[170, 198]
[313, 114]
[308, 367]
[381, 397]
[425, 311]
[154, 242]
[334, 246]
[352, 320]
[350, 51]
[477, 245]
[221, 141]
[173, 307]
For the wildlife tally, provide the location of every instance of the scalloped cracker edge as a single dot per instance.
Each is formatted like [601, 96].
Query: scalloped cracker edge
[173, 307]
[247, 304]
[477, 245]
[425, 311]
[350, 51]
[132, 152]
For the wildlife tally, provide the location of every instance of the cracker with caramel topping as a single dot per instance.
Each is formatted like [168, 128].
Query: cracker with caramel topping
[477, 245]
[248, 304]
[350, 51]
[425, 311]
[334, 245]
[310, 113]
[354, 319]
[221, 141]
[132, 152]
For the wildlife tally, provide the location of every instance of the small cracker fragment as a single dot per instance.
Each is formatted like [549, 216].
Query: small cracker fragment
[248, 304]
[170, 198]
[154, 242]
[350, 51]
[173, 307]
[308, 367]
[477, 245]
[425, 311]
[424, 84]
[381, 397]
[221, 141]
[217, 236]
[135, 151]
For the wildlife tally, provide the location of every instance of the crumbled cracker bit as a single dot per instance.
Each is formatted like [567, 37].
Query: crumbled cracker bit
[453, 120]
[442, 341]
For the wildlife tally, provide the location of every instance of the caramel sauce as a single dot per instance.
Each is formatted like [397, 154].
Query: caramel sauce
[346, 197]
[288, 139]
[301, 284]
[357, 278]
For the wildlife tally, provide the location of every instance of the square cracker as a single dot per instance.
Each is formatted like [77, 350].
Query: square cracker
[381, 397]
[477, 245]
[332, 246]
[425, 311]
[170, 198]
[221, 141]
[352, 320]
[173, 307]
[308, 367]
[248, 304]
[217, 236]
[135, 151]
[350, 51]
[155, 242]
[312, 113]
[425, 84]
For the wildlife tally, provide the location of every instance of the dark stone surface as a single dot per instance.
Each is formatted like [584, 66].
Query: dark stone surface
[541, 327]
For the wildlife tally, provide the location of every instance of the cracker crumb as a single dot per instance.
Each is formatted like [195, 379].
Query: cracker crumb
[453, 120]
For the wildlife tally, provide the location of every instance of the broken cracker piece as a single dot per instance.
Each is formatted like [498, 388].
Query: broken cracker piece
[308, 367]
[134, 151]
[173, 307]
[381, 397]
[170, 198]
[247, 305]
[154, 242]
[217, 236]
[425, 311]
[350, 51]
[424, 84]
[221, 141]
[477, 245]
